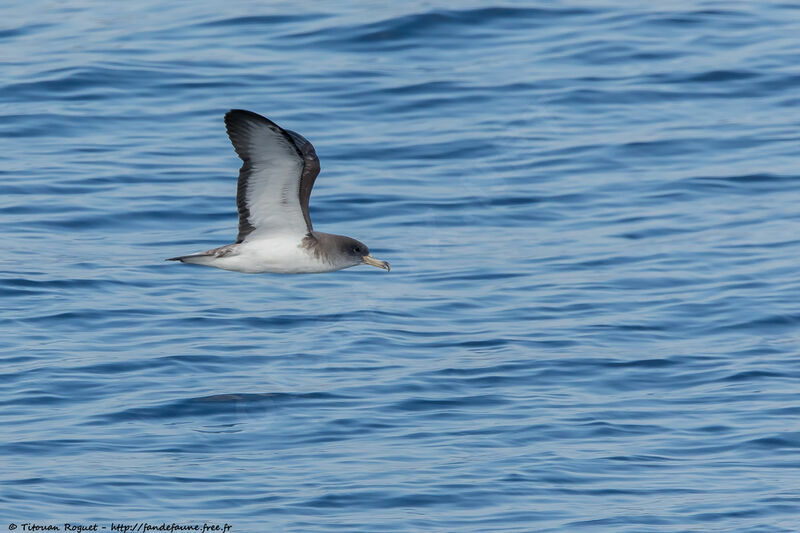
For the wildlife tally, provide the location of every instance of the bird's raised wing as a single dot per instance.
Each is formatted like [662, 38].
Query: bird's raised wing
[278, 171]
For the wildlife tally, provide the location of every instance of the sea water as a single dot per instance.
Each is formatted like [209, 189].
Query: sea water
[592, 318]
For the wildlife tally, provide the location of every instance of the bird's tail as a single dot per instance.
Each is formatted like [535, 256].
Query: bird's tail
[203, 258]
[192, 258]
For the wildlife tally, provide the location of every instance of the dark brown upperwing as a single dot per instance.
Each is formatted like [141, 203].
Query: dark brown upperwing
[310, 171]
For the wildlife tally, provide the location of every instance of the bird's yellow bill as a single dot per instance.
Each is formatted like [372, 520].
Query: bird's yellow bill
[368, 259]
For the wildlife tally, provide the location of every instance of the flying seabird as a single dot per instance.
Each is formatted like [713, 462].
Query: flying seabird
[275, 234]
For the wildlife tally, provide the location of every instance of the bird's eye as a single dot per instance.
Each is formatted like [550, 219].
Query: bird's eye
[357, 249]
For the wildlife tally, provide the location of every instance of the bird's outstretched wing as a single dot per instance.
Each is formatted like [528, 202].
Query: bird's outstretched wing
[278, 171]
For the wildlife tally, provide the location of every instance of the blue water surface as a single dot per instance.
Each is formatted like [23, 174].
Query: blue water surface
[592, 211]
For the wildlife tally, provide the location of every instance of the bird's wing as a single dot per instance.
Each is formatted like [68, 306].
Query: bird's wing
[278, 171]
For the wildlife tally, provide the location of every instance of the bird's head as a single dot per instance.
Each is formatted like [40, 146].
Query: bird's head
[358, 252]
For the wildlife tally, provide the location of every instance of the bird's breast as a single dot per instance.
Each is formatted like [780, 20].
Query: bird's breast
[284, 255]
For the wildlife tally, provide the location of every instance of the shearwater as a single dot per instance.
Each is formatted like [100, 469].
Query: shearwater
[275, 233]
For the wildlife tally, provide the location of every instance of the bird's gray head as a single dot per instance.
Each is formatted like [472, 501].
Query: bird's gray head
[358, 252]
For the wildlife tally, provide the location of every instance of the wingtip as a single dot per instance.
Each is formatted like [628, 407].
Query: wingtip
[232, 115]
[236, 117]
[238, 124]
[243, 113]
[232, 112]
